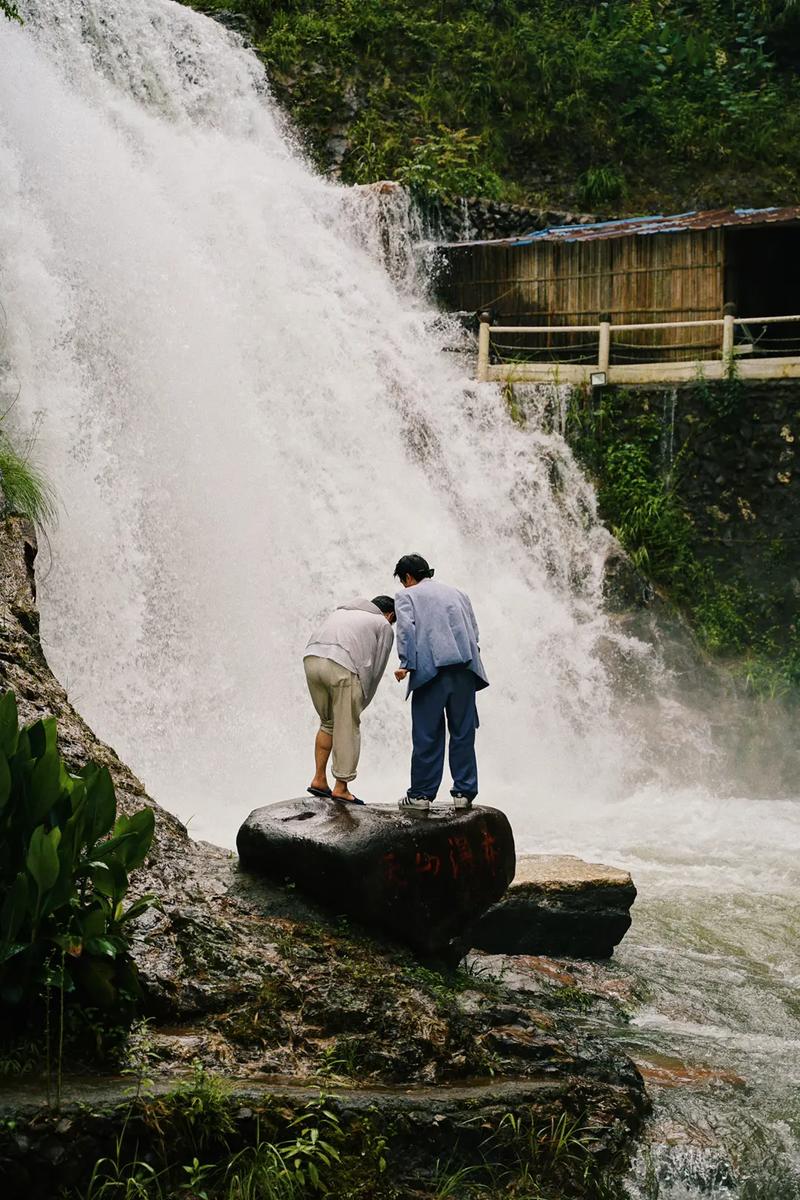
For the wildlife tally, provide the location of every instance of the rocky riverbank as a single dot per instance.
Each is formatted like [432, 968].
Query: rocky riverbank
[246, 981]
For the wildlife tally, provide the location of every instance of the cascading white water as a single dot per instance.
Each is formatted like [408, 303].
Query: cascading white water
[247, 421]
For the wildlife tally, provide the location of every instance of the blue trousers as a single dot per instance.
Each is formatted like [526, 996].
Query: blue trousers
[450, 694]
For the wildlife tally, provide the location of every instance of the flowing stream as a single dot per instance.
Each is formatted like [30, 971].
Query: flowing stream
[247, 419]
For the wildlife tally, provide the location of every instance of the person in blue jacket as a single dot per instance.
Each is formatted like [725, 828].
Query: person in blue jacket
[437, 642]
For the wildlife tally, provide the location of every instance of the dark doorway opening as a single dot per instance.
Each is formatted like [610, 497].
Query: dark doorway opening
[762, 279]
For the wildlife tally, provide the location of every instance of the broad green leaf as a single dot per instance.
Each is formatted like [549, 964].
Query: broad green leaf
[139, 831]
[101, 801]
[93, 923]
[109, 878]
[9, 724]
[5, 780]
[45, 784]
[138, 907]
[16, 907]
[43, 736]
[42, 858]
[102, 878]
[101, 946]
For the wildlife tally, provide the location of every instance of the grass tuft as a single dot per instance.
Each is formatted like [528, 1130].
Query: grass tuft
[24, 489]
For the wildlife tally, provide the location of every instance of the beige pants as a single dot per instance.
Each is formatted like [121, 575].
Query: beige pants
[339, 701]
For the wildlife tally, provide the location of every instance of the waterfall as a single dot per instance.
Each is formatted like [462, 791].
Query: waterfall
[248, 420]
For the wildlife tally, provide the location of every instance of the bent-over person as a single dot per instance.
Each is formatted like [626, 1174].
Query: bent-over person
[344, 662]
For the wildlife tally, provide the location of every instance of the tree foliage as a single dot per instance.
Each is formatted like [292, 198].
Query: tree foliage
[630, 103]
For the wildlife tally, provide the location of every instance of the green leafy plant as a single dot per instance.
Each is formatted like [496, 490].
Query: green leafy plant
[601, 188]
[699, 99]
[65, 858]
[314, 1157]
[449, 163]
[10, 10]
[621, 438]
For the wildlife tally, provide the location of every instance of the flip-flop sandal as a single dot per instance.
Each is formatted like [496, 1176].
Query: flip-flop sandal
[321, 793]
[345, 800]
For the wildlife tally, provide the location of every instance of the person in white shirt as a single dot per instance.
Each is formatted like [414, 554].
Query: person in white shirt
[344, 662]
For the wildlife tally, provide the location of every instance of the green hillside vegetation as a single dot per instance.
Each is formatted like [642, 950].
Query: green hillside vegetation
[630, 105]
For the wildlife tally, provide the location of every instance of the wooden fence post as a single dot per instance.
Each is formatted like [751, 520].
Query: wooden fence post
[728, 313]
[604, 346]
[484, 334]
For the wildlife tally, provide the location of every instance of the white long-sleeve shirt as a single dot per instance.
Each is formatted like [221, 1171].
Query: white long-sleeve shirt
[358, 637]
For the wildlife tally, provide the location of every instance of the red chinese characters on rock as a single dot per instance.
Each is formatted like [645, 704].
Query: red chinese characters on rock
[461, 856]
[490, 855]
[458, 859]
[428, 864]
[393, 871]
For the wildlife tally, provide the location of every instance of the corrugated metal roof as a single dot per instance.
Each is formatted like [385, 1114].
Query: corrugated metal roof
[641, 226]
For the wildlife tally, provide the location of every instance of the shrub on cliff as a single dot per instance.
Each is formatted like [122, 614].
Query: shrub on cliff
[63, 880]
[23, 487]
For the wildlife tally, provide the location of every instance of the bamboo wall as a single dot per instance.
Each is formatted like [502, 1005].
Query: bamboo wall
[660, 277]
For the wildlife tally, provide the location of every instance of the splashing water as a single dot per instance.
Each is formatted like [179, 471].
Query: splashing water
[248, 421]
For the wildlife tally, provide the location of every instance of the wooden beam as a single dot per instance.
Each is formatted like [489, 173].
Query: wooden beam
[641, 373]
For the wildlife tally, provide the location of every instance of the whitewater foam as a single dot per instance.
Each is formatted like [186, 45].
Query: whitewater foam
[248, 421]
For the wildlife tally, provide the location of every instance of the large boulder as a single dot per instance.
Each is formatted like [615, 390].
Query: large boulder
[559, 905]
[420, 878]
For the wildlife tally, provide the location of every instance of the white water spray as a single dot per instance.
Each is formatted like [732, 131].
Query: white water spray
[247, 422]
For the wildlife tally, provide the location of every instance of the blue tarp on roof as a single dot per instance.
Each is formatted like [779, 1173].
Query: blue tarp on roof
[644, 226]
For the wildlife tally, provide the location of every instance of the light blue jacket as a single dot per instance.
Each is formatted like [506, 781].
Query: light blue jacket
[436, 627]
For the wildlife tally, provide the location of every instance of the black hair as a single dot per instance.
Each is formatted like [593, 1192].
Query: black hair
[384, 603]
[415, 566]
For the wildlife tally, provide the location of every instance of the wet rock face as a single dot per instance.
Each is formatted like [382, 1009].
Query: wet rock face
[475, 219]
[562, 906]
[420, 878]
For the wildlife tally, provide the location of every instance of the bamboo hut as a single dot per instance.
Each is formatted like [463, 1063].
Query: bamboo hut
[640, 270]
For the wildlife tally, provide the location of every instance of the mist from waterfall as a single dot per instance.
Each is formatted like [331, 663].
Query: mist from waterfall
[248, 420]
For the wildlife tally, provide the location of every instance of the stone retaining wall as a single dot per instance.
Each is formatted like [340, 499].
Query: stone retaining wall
[474, 219]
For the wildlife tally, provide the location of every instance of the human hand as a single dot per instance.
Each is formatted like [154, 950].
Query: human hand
[400, 674]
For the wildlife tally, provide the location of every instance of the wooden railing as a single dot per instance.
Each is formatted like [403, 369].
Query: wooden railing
[755, 354]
